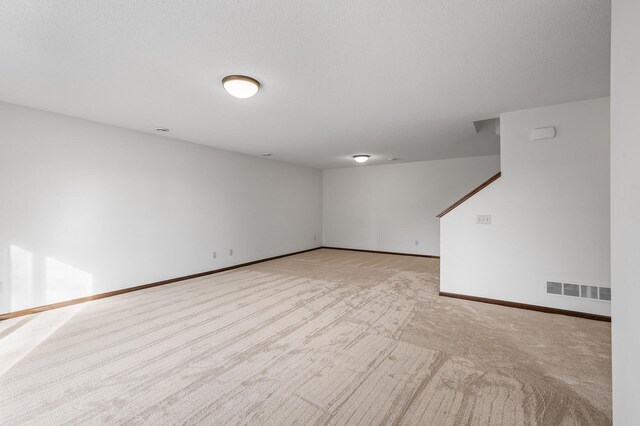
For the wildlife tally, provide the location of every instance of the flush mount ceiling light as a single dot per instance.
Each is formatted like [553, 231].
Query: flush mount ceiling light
[361, 158]
[240, 86]
[162, 129]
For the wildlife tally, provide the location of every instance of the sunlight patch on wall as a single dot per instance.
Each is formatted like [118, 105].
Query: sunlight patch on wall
[21, 267]
[65, 282]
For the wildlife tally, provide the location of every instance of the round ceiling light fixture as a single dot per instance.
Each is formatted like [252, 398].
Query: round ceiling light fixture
[240, 86]
[361, 158]
[162, 129]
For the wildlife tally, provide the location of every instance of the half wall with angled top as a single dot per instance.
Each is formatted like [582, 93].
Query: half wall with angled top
[545, 220]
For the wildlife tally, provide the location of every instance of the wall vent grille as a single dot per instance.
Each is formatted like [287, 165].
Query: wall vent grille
[554, 287]
[582, 291]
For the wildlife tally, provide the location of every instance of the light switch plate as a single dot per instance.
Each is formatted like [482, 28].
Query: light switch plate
[483, 219]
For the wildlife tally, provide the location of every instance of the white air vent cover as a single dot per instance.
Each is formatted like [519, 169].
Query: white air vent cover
[605, 293]
[589, 291]
[571, 290]
[543, 133]
[554, 287]
[582, 291]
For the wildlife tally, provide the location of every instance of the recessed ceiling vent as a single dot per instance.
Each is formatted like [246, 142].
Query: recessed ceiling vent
[490, 126]
[582, 291]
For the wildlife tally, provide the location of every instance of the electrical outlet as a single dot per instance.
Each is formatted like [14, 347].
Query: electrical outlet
[215, 255]
[483, 219]
[417, 242]
[1, 287]
[314, 238]
[231, 252]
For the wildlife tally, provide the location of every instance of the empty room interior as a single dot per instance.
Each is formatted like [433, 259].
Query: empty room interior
[307, 213]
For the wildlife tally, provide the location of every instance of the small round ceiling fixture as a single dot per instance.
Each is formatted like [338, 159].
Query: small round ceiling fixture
[361, 158]
[267, 154]
[240, 86]
[392, 159]
[162, 129]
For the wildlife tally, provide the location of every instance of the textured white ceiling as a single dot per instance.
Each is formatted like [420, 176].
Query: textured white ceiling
[390, 78]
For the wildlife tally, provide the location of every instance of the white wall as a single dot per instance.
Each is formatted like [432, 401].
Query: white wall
[389, 207]
[625, 210]
[550, 213]
[87, 208]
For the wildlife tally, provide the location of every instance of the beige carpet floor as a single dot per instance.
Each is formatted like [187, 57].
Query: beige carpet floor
[324, 337]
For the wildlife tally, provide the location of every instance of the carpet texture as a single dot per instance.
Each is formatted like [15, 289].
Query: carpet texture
[324, 337]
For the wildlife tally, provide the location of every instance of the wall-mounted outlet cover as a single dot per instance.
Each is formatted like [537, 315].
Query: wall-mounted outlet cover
[215, 255]
[417, 242]
[230, 252]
